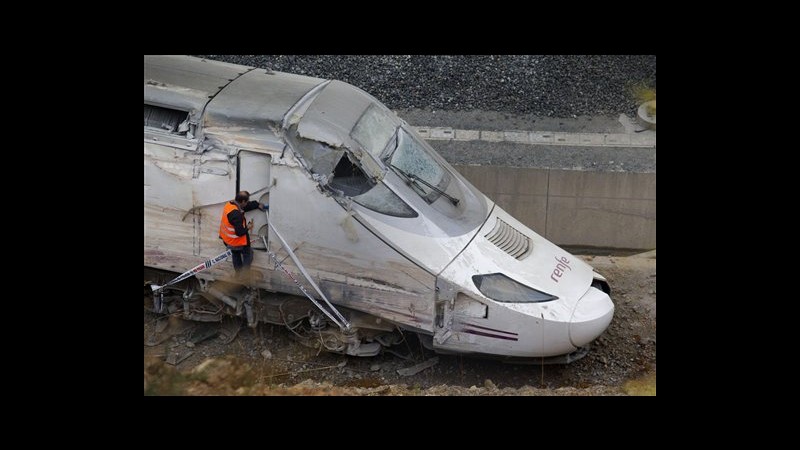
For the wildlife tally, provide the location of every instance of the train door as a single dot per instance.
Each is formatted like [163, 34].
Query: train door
[254, 177]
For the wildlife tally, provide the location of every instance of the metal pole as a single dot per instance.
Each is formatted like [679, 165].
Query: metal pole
[308, 278]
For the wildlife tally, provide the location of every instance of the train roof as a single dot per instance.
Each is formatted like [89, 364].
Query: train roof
[230, 96]
[186, 83]
[258, 98]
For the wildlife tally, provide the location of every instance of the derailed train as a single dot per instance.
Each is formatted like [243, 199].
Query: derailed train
[394, 236]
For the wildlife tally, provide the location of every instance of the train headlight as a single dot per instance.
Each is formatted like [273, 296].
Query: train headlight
[501, 288]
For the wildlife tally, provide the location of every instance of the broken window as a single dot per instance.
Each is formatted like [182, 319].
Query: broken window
[351, 182]
[374, 129]
[165, 119]
[413, 162]
[345, 177]
[348, 178]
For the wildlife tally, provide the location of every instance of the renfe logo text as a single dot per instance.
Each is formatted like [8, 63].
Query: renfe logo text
[562, 265]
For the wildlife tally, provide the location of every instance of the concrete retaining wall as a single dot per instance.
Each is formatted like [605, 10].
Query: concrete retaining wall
[577, 208]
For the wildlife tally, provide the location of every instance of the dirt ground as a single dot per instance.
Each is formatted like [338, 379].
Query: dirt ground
[188, 358]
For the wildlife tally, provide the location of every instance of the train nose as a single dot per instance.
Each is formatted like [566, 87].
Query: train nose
[591, 317]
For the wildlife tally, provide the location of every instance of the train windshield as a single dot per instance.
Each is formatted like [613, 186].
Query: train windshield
[410, 159]
[374, 129]
[385, 140]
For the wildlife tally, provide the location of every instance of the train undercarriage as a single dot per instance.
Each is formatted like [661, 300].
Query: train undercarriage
[211, 301]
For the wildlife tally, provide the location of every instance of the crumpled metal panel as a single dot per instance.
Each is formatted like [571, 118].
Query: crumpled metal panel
[332, 116]
[321, 158]
[333, 113]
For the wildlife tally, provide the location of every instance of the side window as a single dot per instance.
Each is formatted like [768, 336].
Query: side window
[384, 201]
[172, 121]
[351, 182]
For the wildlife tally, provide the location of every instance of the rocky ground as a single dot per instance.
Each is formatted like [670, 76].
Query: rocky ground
[267, 361]
[543, 85]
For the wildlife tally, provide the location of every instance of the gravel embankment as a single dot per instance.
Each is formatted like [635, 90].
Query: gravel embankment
[548, 85]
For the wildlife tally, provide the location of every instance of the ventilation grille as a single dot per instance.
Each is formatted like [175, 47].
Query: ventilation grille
[510, 240]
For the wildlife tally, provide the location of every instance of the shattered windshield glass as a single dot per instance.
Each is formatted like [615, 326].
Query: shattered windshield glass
[374, 129]
[413, 162]
[350, 181]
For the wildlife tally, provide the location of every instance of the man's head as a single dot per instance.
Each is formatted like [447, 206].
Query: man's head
[242, 198]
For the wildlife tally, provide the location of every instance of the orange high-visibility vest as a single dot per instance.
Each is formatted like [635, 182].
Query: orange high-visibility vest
[226, 230]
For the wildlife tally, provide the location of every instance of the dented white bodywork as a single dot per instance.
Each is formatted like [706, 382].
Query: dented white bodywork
[385, 227]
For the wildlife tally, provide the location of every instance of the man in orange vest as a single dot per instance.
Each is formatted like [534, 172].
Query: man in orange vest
[233, 229]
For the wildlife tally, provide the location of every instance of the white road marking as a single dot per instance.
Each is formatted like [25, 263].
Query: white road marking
[644, 139]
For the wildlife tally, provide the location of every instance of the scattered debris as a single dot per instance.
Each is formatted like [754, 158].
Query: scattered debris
[399, 355]
[175, 358]
[201, 333]
[229, 329]
[413, 370]
[154, 340]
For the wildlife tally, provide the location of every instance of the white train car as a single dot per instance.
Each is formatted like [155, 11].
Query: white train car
[394, 237]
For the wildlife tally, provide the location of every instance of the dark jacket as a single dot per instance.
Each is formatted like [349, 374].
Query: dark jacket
[235, 219]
